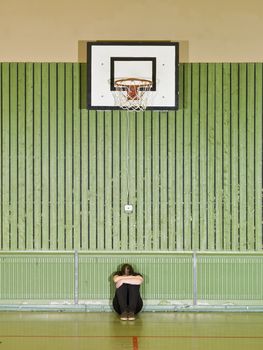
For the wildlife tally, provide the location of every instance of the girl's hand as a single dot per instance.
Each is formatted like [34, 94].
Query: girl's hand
[119, 283]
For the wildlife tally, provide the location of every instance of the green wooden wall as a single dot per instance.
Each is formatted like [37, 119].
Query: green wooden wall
[195, 175]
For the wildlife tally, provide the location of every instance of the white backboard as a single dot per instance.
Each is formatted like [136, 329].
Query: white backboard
[156, 61]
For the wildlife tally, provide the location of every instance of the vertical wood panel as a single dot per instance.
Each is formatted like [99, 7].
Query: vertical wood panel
[5, 107]
[53, 135]
[243, 155]
[85, 219]
[187, 158]
[132, 183]
[203, 155]
[100, 180]
[250, 157]
[108, 182]
[195, 152]
[226, 157]
[116, 206]
[175, 204]
[37, 163]
[77, 159]
[45, 157]
[124, 120]
[140, 181]
[211, 228]
[92, 181]
[163, 182]
[147, 180]
[235, 194]
[258, 156]
[69, 158]
[29, 152]
[21, 172]
[1, 157]
[61, 156]
[14, 156]
[219, 156]
[156, 182]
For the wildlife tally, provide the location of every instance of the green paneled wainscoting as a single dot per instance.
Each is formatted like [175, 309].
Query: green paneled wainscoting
[172, 281]
[195, 175]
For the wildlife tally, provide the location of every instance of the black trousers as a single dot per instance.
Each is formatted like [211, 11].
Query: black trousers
[127, 298]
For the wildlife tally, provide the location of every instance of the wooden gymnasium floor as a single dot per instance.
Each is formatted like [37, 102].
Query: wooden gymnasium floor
[151, 331]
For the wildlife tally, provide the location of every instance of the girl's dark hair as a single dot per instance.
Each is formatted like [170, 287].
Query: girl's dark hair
[122, 269]
[128, 267]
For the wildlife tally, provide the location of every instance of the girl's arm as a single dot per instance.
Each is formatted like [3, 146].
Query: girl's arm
[119, 280]
[132, 279]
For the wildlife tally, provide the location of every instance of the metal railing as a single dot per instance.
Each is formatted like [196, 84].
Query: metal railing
[192, 277]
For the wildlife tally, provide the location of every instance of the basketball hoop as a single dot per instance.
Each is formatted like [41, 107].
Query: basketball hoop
[132, 93]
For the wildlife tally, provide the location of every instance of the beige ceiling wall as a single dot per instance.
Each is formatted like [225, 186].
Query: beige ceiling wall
[55, 30]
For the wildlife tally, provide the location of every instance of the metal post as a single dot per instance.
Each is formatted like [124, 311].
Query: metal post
[76, 277]
[194, 279]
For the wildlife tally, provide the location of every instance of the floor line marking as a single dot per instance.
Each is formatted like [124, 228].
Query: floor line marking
[135, 343]
[128, 336]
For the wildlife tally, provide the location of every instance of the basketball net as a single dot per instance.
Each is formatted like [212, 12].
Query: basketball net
[132, 94]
